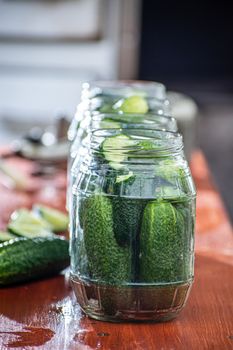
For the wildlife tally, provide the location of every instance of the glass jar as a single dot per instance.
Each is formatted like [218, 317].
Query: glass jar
[133, 214]
[120, 97]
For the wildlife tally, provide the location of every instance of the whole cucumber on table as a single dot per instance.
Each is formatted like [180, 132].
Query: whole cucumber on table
[24, 259]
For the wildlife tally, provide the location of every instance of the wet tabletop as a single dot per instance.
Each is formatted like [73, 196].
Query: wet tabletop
[44, 315]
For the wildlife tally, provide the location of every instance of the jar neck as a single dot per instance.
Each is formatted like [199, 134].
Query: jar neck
[96, 102]
[123, 88]
[135, 144]
[136, 121]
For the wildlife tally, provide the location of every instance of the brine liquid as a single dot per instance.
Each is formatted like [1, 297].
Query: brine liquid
[131, 303]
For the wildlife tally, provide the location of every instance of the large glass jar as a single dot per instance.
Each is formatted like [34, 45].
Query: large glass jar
[133, 214]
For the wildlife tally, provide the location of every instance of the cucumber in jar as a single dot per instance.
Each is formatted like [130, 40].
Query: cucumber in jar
[162, 243]
[108, 262]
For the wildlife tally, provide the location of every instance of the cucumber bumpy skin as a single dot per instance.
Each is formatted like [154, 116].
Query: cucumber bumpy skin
[127, 214]
[108, 262]
[162, 243]
[109, 123]
[24, 259]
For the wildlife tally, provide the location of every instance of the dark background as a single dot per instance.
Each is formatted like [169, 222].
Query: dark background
[183, 41]
[189, 46]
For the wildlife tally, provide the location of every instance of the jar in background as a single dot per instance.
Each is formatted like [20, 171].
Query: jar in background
[123, 88]
[120, 96]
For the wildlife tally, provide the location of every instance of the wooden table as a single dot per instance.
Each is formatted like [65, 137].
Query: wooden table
[44, 314]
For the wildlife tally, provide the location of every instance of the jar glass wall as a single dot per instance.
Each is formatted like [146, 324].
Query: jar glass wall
[132, 242]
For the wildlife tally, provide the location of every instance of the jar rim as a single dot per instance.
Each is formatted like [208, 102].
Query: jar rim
[161, 142]
[111, 88]
[96, 115]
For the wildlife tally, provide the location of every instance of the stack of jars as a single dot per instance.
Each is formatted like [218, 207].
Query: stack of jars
[131, 201]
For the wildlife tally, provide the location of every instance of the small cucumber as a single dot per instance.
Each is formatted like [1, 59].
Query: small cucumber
[162, 242]
[5, 236]
[23, 259]
[56, 219]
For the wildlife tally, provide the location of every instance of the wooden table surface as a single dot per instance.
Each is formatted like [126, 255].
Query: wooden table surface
[44, 314]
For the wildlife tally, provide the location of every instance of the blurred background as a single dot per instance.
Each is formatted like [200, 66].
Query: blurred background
[49, 48]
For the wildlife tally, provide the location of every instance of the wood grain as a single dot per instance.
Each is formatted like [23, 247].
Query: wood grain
[44, 314]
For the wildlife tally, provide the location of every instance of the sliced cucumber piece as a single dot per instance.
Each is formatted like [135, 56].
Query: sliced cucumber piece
[130, 118]
[117, 142]
[5, 236]
[106, 108]
[115, 149]
[109, 124]
[147, 145]
[57, 219]
[116, 165]
[28, 230]
[27, 217]
[132, 104]
[170, 193]
[121, 178]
